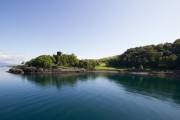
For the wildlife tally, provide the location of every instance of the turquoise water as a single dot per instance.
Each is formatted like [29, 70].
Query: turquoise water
[99, 96]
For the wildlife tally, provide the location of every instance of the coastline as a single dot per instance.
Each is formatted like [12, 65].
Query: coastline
[13, 70]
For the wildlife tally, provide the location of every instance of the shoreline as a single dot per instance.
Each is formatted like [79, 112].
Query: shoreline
[175, 73]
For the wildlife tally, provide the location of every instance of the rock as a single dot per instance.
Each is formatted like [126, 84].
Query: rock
[39, 70]
[44, 70]
[16, 71]
[29, 70]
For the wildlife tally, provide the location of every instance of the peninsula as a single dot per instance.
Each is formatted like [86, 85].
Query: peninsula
[161, 58]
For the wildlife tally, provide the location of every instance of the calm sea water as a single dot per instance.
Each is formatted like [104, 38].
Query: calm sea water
[99, 96]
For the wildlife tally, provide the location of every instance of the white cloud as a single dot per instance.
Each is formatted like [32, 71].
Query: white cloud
[13, 58]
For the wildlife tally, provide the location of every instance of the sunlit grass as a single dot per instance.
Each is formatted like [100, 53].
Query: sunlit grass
[103, 66]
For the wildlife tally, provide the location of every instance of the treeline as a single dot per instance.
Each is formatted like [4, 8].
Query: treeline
[60, 59]
[161, 56]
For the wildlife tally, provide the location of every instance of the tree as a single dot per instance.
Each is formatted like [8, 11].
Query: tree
[43, 61]
[176, 46]
[161, 56]
[87, 64]
[66, 60]
[141, 67]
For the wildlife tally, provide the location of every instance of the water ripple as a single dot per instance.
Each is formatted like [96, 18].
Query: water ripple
[88, 96]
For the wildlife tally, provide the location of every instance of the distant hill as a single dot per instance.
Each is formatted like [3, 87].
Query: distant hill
[4, 64]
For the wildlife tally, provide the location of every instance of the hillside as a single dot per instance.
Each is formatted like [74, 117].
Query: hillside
[161, 56]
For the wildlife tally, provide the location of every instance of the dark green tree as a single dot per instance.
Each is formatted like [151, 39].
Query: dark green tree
[43, 61]
[161, 56]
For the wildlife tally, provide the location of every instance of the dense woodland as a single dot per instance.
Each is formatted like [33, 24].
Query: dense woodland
[161, 56]
[61, 60]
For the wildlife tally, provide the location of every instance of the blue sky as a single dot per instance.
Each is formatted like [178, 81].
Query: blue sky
[88, 28]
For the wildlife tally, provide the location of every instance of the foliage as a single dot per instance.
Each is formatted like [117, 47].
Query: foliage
[141, 67]
[87, 64]
[104, 60]
[66, 60]
[162, 56]
[43, 61]
[62, 61]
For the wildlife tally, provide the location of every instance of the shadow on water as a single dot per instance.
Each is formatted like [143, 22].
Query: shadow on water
[163, 88]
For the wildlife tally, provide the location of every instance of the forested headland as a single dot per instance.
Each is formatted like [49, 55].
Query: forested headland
[157, 57]
[151, 57]
[60, 60]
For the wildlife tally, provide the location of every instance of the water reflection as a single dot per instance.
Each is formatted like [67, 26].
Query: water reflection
[164, 88]
[57, 80]
[159, 87]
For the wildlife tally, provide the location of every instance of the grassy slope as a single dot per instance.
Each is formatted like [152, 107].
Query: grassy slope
[103, 66]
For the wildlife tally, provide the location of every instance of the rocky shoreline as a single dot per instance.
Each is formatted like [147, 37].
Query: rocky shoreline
[175, 73]
[33, 70]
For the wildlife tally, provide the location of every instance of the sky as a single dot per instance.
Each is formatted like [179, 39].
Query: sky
[87, 28]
